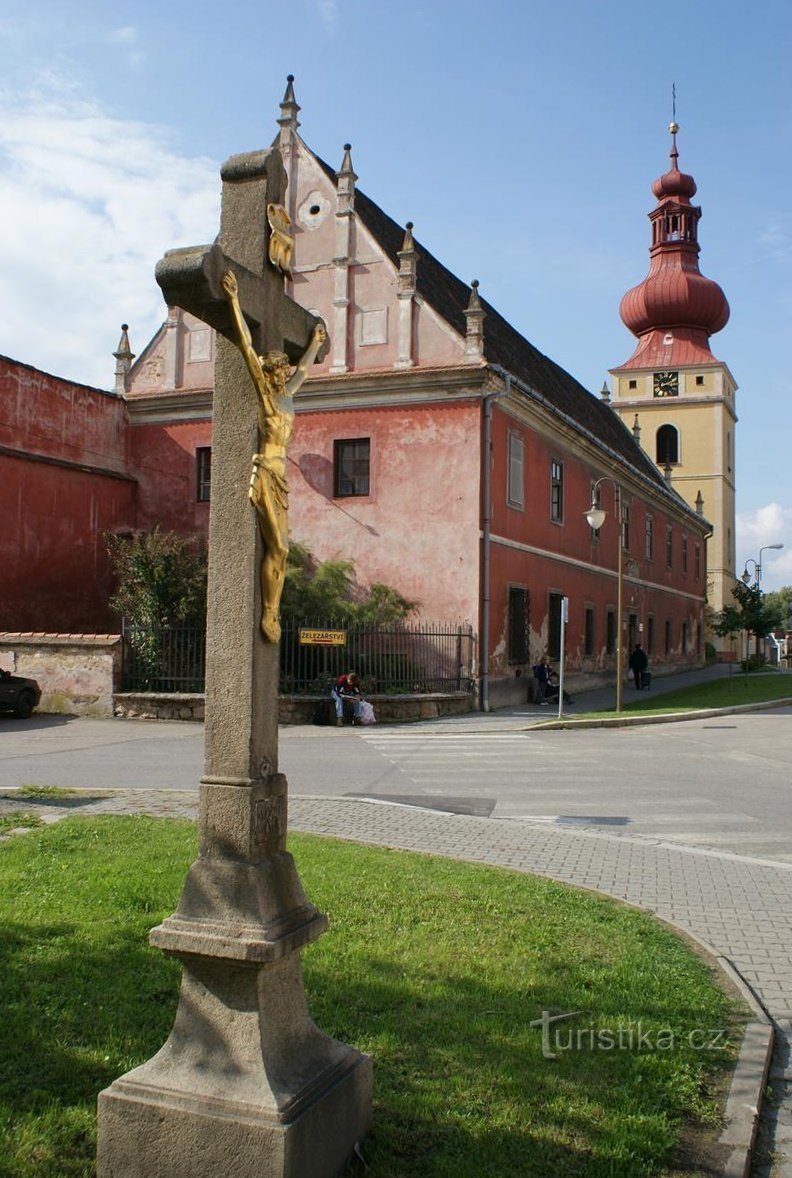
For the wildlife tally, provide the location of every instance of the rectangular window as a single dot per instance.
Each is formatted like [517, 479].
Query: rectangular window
[697, 561]
[684, 555]
[556, 491]
[588, 631]
[669, 547]
[554, 625]
[668, 636]
[351, 467]
[649, 538]
[684, 637]
[518, 624]
[203, 467]
[610, 631]
[516, 473]
[650, 635]
[626, 527]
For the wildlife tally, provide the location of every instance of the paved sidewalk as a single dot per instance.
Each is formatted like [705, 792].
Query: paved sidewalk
[741, 906]
[601, 699]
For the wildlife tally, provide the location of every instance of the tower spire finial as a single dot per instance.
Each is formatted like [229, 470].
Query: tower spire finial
[673, 127]
[289, 109]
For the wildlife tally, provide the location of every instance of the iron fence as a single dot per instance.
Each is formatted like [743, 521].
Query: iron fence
[163, 658]
[406, 657]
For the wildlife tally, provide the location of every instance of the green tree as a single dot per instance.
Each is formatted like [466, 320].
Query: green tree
[161, 578]
[779, 602]
[161, 584]
[750, 613]
[327, 590]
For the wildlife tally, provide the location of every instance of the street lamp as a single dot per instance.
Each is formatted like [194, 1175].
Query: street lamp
[757, 564]
[596, 518]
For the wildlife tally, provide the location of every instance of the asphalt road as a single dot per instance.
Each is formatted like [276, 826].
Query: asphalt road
[723, 783]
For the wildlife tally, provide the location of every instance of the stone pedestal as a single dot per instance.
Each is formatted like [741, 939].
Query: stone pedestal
[246, 1083]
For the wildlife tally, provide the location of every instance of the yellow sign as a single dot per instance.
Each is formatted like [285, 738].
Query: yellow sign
[322, 637]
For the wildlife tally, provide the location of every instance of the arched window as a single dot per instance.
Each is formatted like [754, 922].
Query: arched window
[667, 445]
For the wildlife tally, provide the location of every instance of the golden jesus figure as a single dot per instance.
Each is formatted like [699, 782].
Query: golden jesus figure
[269, 491]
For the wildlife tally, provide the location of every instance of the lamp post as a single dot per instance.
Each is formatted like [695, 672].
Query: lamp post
[757, 564]
[596, 518]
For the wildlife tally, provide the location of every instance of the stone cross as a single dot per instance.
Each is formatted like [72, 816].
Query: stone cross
[246, 1084]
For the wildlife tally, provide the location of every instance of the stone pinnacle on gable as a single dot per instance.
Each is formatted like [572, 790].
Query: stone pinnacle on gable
[346, 182]
[289, 108]
[474, 324]
[123, 357]
[408, 261]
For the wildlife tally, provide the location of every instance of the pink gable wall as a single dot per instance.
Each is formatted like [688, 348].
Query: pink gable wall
[373, 278]
[418, 529]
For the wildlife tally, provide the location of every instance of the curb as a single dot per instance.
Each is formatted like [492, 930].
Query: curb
[665, 718]
[747, 1089]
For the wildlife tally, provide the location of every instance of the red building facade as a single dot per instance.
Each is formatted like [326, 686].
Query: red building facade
[64, 482]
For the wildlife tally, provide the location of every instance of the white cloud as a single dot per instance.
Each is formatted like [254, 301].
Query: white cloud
[90, 204]
[770, 524]
[328, 10]
[127, 35]
[126, 38]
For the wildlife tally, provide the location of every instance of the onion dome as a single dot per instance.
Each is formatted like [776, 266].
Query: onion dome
[674, 183]
[675, 298]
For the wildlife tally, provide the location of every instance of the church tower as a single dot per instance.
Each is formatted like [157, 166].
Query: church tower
[672, 389]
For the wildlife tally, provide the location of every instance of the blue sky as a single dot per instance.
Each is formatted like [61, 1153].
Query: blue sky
[520, 137]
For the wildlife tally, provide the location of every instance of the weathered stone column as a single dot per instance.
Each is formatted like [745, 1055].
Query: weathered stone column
[246, 1084]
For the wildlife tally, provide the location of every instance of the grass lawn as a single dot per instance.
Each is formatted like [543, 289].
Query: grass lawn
[435, 968]
[719, 693]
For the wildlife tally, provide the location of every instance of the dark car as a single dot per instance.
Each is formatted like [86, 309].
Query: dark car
[18, 695]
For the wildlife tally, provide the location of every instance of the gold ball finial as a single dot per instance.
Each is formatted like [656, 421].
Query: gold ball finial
[673, 128]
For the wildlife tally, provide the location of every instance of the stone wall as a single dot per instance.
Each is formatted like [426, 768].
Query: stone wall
[292, 709]
[76, 672]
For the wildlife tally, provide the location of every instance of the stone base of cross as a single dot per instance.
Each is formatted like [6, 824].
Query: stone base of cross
[246, 1084]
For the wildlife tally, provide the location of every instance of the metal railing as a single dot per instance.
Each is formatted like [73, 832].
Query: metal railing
[163, 659]
[403, 658]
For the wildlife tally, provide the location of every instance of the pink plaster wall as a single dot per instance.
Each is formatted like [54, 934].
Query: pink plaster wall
[418, 530]
[373, 282]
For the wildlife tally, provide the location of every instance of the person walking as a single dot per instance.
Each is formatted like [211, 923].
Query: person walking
[638, 665]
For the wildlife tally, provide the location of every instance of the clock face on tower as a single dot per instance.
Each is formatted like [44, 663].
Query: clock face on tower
[666, 384]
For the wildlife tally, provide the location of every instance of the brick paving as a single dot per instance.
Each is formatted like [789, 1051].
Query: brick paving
[741, 906]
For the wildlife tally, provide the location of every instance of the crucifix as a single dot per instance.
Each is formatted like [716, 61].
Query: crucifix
[246, 1083]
